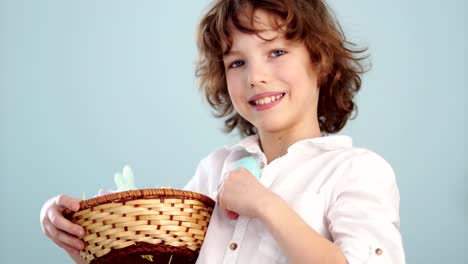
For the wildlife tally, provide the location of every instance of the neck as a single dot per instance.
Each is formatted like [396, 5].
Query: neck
[276, 144]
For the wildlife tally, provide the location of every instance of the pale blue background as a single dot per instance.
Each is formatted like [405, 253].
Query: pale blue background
[88, 86]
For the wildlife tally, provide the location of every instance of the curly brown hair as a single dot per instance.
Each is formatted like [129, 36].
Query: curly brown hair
[311, 21]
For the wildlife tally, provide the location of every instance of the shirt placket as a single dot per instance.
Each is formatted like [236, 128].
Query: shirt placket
[232, 251]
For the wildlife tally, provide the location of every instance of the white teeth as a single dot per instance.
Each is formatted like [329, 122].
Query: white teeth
[268, 100]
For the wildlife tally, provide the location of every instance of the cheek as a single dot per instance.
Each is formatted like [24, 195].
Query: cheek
[234, 89]
[303, 79]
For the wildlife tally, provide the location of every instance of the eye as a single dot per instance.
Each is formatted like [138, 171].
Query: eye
[277, 53]
[236, 64]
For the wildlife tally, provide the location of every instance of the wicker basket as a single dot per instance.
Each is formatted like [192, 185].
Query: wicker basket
[144, 226]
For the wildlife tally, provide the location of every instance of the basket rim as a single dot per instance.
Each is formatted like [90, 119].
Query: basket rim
[142, 194]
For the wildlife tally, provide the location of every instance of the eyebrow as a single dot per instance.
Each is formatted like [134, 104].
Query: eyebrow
[264, 42]
[230, 52]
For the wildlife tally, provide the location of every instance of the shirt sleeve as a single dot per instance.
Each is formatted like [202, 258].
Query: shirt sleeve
[364, 213]
[207, 174]
[195, 183]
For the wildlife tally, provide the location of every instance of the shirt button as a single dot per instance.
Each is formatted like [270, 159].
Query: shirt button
[233, 246]
[378, 251]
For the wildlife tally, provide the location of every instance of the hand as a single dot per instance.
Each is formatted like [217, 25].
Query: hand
[241, 193]
[60, 230]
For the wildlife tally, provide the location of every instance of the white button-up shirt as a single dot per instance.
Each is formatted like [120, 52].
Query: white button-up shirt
[348, 195]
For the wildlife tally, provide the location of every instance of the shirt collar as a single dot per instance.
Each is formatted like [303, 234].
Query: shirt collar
[252, 144]
[332, 142]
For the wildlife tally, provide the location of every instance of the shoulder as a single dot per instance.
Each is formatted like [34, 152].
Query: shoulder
[208, 173]
[338, 152]
[215, 157]
[363, 169]
[366, 163]
[210, 167]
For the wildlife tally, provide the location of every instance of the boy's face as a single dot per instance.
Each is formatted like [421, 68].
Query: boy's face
[271, 83]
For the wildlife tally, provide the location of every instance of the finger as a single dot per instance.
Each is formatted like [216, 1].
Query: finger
[61, 237]
[59, 243]
[220, 187]
[64, 201]
[69, 249]
[221, 201]
[58, 221]
[220, 193]
[73, 252]
[232, 215]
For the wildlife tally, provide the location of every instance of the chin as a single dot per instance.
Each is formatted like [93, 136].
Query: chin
[271, 127]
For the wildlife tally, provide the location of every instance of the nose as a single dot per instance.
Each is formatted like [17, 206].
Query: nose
[258, 74]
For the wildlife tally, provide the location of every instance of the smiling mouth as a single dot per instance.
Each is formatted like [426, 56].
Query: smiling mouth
[266, 100]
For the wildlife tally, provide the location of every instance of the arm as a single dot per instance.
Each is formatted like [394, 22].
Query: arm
[363, 219]
[299, 242]
[243, 194]
[363, 215]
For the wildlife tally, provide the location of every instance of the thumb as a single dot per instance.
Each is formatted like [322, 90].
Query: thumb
[64, 201]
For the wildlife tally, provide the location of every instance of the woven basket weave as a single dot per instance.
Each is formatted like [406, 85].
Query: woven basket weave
[156, 223]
